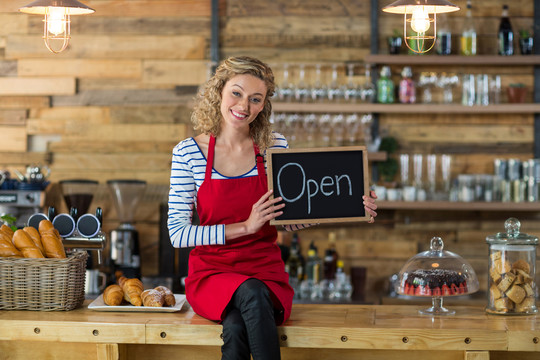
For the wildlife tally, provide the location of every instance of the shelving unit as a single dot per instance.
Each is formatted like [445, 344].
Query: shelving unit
[459, 206]
[405, 108]
[477, 60]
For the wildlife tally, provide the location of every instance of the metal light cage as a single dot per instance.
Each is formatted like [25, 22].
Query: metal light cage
[43, 7]
[431, 7]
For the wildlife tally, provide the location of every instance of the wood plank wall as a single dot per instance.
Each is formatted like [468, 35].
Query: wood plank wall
[118, 99]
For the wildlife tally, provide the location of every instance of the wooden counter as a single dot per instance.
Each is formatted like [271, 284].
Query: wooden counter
[313, 332]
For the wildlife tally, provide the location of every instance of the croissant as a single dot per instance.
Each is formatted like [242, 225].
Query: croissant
[34, 235]
[153, 298]
[25, 245]
[167, 294]
[132, 290]
[7, 249]
[113, 295]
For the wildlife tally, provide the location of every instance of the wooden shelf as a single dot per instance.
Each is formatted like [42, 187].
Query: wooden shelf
[458, 206]
[478, 60]
[406, 108]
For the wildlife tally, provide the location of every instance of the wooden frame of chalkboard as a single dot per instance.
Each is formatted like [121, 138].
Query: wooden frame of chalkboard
[319, 185]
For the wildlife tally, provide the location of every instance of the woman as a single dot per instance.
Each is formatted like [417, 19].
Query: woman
[236, 275]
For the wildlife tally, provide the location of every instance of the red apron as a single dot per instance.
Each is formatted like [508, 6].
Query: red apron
[216, 271]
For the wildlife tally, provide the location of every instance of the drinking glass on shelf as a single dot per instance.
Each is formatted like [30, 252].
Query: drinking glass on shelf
[495, 89]
[292, 131]
[482, 89]
[302, 92]
[367, 91]
[468, 95]
[338, 130]
[351, 92]
[431, 164]
[404, 169]
[447, 82]
[319, 91]
[418, 167]
[335, 91]
[279, 120]
[285, 89]
[371, 143]
[352, 124]
[325, 130]
[446, 172]
[310, 127]
[426, 82]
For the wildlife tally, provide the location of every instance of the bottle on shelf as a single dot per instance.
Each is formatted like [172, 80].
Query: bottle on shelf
[506, 35]
[385, 86]
[330, 258]
[468, 34]
[343, 287]
[313, 275]
[294, 266]
[443, 44]
[407, 88]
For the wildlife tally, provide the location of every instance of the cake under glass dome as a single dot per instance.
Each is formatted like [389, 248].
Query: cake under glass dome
[437, 273]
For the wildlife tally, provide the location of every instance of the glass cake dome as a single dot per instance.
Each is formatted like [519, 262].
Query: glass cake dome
[436, 273]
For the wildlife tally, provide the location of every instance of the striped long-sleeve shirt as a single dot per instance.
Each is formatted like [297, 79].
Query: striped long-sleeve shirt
[187, 175]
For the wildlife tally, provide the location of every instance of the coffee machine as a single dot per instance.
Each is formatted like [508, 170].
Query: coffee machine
[124, 246]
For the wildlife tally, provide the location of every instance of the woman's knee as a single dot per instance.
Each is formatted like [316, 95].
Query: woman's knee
[254, 290]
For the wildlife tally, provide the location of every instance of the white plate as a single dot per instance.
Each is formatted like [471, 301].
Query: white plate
[99, 305]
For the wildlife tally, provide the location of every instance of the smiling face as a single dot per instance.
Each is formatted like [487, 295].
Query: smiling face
[242, 99]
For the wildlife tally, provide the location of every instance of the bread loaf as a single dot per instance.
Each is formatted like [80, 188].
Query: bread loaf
[25, 245]
[113, 295]
[152, 298]
[6, 230]
[7, 249]
[34, 235]
[167, 294]
[51, 240]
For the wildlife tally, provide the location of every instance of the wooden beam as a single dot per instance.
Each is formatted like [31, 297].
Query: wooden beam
[81, 68]
[37, 86]
[175, 72]
[13, 139]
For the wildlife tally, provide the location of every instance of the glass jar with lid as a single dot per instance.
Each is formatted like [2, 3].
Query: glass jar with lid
[511, 279]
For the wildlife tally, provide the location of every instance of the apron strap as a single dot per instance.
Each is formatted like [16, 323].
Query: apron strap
[260, 162]
[210, 160]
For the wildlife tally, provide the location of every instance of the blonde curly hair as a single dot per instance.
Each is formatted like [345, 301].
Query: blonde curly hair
[206, 116]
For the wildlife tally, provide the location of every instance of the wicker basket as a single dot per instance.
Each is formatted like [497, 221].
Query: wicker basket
[43, 284]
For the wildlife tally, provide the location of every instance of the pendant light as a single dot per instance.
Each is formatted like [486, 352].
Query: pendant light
[417, 13]
[56, 23]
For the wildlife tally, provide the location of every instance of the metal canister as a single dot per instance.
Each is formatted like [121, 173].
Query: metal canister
[511, 272]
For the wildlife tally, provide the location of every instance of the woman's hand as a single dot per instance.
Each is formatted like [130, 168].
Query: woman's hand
[370, 206]
[265, 209]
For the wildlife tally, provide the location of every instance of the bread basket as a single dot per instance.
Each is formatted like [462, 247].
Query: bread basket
[42, 284]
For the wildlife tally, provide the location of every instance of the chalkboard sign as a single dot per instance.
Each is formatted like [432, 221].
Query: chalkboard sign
[319, 185]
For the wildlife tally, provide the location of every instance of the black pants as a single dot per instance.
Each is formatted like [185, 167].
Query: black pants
[249, 326]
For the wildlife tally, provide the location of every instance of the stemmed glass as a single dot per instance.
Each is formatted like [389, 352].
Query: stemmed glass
[338, 126]
[335, 92]
[302, 91]
[319, 92]
[351, 92]
[367, 92]
[352, 126]
[285, 89]
[310, 128]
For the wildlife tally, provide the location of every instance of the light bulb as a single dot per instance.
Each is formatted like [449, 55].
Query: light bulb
[420, 20]
[56, 22]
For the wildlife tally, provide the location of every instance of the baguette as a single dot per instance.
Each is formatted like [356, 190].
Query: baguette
[34, 235]
[113, 295]
[25, 245]
[7, 249]
[51, 240]
[167, 294]
[45, 225]
[6, 230]
[152, 298]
